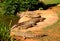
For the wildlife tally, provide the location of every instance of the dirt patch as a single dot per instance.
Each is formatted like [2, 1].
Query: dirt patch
[30, 40]
[55, 9]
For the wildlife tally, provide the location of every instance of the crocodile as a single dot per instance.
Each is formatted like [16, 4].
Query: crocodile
[28, 24]
[29, 35]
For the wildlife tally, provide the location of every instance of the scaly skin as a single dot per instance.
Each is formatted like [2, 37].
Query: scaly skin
[29, 35]
[28, 24]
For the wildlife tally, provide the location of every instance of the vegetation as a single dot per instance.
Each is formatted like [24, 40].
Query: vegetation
[51, 1]
[4, 33]
[14, 6]
[11, 7]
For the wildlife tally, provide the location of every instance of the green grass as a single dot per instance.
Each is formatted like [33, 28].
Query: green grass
[51, 1]
[4, 32]
[5, 25]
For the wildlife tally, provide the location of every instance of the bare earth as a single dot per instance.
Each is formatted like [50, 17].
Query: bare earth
[51, 16]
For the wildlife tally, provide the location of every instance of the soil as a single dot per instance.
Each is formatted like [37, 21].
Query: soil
[53, 32]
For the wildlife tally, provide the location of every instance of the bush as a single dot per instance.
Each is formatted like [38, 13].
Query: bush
[14, 6]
